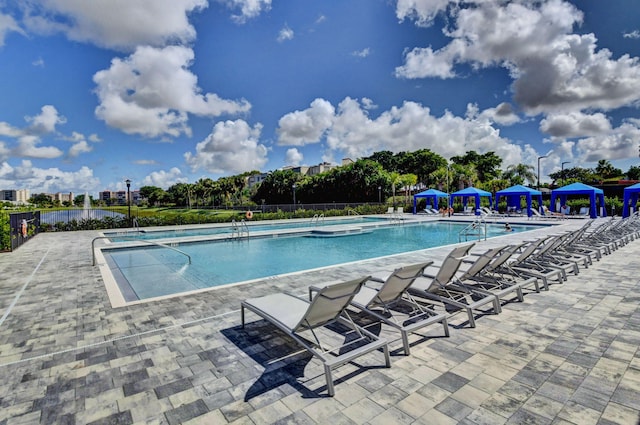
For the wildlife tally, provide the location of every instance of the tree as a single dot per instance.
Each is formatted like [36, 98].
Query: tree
[41, 200]
[153, 194]
[633, 173]
[607, 171]
[486, 165]
[519, 173]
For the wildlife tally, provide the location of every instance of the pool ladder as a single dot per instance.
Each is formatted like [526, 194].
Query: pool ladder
[316, 219]
[478, 228]
[239, 229]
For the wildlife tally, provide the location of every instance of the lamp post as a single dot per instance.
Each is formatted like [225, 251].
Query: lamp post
[379, 194]
[448, 194]
[293, 186]
[128, 182]
[539, 158]
[562, 171]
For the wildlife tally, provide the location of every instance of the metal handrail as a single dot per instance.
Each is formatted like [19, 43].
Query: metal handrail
[479, 225]
[93, 248]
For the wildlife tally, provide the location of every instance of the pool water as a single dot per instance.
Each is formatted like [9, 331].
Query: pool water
[147, 272]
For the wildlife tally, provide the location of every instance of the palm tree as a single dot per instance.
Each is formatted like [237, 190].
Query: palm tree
[519, 173]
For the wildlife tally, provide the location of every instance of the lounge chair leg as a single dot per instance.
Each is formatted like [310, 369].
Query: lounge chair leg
[405, 343]
[242, 315]
[327, 374]
[472, 320]
[445, 325]
[387, 356]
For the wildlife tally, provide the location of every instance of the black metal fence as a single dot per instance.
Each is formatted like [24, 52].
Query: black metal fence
[23, 226]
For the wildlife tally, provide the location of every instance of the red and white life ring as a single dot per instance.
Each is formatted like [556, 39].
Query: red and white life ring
[249, 215]
[23, 228]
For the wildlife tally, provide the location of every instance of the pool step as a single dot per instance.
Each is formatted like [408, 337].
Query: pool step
[334, 231]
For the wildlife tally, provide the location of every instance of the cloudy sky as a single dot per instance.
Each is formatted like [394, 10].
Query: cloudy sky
[166, 91]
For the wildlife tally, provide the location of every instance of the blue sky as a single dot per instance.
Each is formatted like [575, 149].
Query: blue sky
[167, 91]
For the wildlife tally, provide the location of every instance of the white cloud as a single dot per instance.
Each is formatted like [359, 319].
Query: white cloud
[151, 93]
[301, 127]
[620, 143]
[553, 69]
[7, 25]
[28, 148]
[48, 180]
[633, 34]
[7, 129]
[293, 157]
[248, 8]
[421, 11]
[46, 121]
[4, 151]
[117, 24]
[78, 148]
[575, 124]
[285, 33]
[362, 53]
[502, 114]
[145, 162]
[232, 147]
[351, 132]
[164, 179]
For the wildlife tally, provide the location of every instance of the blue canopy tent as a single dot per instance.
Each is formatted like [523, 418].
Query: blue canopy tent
[470, 192]
[431, 194]
[630, 199]
[514, 193]
[595, 196]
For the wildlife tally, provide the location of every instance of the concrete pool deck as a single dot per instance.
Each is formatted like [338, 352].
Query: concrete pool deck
[566, 356]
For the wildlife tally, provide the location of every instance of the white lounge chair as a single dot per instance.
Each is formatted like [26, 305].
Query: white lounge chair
[391, 304]
[443, 287]
[298, 317]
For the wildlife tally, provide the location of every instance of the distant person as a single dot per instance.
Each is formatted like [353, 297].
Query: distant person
[507, 227]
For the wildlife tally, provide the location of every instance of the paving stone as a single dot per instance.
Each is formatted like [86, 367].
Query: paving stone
[567, 355]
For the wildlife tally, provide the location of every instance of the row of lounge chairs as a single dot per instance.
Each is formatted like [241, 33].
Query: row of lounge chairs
[419, 295]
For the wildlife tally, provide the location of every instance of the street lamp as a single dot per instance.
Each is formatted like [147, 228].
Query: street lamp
[293, 186]
[379, 194]
[562, 171]
[539, 158]
[128, 182]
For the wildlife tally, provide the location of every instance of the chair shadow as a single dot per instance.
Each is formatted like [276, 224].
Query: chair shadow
[283, 360]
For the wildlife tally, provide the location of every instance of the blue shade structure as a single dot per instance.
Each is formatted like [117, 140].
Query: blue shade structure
[430, 195]
[514, 193]
[630, 199]
[596, 197]
[470, 192]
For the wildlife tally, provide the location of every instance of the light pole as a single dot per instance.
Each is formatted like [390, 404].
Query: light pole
[379, 194]
[293, 186]
[128, 182]
[562, 171]
[539, 158]
[448, 195]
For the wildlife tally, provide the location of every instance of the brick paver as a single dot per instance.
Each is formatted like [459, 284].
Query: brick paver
[568, 355]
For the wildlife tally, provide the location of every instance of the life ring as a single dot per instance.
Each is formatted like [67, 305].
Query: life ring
[23, 228]
[249, 215]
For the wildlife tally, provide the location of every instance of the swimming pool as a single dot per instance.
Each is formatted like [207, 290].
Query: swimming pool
[147, 272]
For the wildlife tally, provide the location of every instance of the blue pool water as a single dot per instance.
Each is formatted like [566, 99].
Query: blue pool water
[147, 272]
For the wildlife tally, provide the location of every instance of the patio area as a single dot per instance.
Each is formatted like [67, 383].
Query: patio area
[566, 356]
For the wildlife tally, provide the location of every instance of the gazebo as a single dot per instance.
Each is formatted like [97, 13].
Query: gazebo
[514, 193]
[595, 196]
[630, 199]
[429, 195]
[470, 192]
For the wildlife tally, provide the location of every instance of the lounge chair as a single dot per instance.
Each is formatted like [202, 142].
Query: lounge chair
[295, 316]
[442, 286]
[391, 304]
[524, 265]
